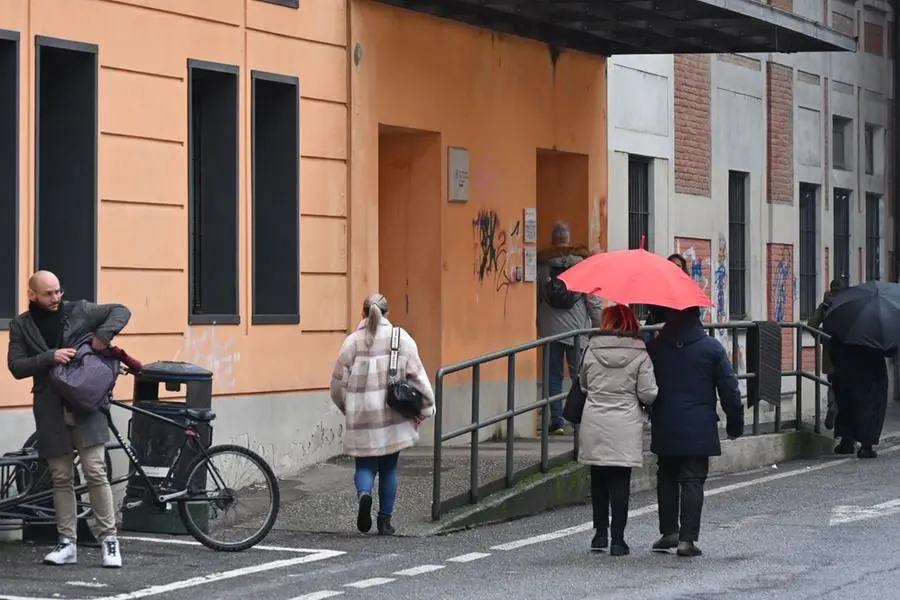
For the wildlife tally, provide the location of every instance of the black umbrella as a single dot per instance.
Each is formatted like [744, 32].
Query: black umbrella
[866, 315]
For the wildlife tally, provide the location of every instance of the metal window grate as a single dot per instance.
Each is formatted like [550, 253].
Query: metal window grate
[873, 237]
[737, 245]
[809, 251]
[639, 210]
[841, 208]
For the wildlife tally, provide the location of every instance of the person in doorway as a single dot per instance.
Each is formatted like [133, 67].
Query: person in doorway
[40, 338]
[561, 311]
[376, 433]
[691, 368]
[815, 321]
[617, 377]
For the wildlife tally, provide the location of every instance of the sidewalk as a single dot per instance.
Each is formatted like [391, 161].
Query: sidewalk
[321, 498]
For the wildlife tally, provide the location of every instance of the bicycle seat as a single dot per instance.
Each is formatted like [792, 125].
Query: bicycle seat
[201, 415]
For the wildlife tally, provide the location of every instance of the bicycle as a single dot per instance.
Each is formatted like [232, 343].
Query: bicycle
[185, 487]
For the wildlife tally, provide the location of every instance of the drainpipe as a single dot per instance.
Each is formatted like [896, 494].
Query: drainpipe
[895, 166]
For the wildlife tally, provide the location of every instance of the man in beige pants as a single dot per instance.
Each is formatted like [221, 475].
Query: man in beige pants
[40, 338]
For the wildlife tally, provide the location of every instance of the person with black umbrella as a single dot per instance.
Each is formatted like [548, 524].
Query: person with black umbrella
[864, 325]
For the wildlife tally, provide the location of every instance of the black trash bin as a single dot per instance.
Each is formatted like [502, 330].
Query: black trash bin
[156, 444]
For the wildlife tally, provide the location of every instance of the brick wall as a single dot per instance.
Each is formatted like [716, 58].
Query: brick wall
[873, 38]
[783, 4]
[697, 252]
[780, 290]
[780, 133]
[692, 128]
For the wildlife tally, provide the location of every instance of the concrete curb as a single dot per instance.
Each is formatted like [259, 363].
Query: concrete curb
[569, 484]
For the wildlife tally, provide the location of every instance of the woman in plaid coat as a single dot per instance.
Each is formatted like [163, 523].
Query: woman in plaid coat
[375, 433]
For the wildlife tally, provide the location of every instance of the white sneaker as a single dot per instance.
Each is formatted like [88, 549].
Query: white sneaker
[64, 553]
[112, 557]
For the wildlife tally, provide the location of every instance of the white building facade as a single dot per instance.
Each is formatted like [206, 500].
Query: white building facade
[768, 172]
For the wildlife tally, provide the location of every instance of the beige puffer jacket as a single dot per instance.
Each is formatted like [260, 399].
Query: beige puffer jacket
[616, 375]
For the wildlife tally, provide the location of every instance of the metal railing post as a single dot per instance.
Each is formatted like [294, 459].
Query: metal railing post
[438, 433]
[511, 421]
[545, 412]
[473, 451]
[798, 366]
[818, 347]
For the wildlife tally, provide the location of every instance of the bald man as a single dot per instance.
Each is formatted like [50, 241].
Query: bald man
[40, 338]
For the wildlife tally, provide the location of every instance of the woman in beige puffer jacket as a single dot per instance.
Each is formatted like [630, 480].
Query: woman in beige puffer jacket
[617, 377]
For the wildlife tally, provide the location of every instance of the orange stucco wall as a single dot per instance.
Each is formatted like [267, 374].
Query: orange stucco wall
[502, 98]
[143, 50]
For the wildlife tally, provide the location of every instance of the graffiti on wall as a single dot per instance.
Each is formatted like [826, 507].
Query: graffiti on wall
[208, 348]
[498, 252]
[781, 293]
[696, 252]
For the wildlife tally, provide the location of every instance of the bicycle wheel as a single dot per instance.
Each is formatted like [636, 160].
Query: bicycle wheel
[213, 498]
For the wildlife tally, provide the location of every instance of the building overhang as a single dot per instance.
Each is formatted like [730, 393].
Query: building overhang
[611, 27]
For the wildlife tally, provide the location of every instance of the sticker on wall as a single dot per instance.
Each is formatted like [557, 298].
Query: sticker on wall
[530, 233]
[458, 174]
[530, 269]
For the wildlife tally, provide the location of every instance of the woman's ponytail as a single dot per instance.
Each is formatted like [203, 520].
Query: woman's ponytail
[373, 319]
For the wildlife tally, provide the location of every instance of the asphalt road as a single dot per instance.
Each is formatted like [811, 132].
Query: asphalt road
[795, 531]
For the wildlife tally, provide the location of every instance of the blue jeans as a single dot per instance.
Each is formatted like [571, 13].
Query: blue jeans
[386, 469]
[558, 352]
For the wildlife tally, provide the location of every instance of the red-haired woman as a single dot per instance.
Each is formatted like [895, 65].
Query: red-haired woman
[616, 376]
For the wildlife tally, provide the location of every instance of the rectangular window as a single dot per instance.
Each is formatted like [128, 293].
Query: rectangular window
[276, 199]
[639, 211]
[841, 208]
[9, 176]
[213, 193]
[873, 237]
[66, 157]
[840, 134]
[287, 3]
[809, 250]
[870, 149]
[737, 245]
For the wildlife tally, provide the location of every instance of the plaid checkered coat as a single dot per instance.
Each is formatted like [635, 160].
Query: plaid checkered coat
[359, 389]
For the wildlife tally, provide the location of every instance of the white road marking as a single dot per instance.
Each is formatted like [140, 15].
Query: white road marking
[321, 595]
[177, 542]
[367, 583]
[555, 535]
[420, 570]
[157, 590]
[851, 514]
[464, 558]
[87, 584]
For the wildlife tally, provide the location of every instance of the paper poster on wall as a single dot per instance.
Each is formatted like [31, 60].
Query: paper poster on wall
[458, 174]
[530, 264]
[530, 233]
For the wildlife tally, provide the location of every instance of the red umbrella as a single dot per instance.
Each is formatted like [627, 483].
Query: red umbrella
[635, 277]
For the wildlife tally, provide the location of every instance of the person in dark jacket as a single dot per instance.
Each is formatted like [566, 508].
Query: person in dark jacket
[860, 380]
[39, 339]
[818, 316]
[691, 368]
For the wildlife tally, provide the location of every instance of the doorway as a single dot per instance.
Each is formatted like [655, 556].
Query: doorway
[409, 234]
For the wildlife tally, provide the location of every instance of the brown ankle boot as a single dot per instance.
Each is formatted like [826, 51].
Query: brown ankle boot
[384, 526]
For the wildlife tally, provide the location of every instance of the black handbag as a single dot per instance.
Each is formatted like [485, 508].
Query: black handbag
[401, 396]
[576, 398]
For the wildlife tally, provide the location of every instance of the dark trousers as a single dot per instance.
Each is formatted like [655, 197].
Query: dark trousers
[679, 493]
[610, 489]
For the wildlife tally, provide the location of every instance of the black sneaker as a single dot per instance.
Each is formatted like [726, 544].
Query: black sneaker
[866, 452]
[600, 542]
[364, 517]
[619, 548]
[688, 549]
[384, 526]
[845, 447]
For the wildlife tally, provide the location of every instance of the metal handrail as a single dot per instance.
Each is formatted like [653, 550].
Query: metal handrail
[512, 411]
